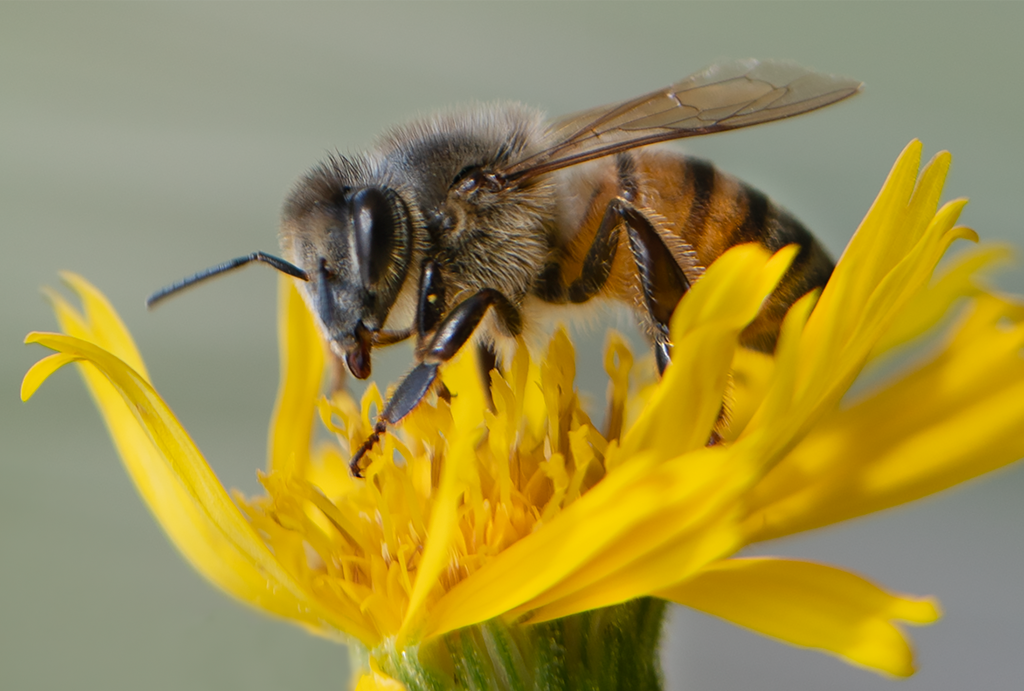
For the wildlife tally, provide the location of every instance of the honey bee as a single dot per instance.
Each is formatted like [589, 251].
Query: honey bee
[458, 228]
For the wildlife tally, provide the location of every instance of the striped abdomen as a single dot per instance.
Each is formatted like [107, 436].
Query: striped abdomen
[688, 200]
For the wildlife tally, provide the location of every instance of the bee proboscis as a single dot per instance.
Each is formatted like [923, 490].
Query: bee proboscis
[460, 227]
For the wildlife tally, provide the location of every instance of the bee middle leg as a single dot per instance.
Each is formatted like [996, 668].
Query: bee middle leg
[428, 317]
[487, 360]
[597, 264]
[662, 280]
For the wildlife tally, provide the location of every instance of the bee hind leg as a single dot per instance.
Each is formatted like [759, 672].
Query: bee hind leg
[663, 284]
[662, 280]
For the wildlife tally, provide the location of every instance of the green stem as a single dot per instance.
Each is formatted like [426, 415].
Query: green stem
[602, 650]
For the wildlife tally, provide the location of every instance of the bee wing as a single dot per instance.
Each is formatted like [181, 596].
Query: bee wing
[722, 97]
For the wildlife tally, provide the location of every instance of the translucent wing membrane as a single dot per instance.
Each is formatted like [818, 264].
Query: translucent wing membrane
[722, 97]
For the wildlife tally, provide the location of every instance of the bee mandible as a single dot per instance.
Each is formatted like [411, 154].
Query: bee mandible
[462, 226]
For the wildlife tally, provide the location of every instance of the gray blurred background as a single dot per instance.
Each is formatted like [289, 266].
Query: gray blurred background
[139, 143]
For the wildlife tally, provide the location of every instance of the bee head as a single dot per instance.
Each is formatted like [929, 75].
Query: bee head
[354, 244]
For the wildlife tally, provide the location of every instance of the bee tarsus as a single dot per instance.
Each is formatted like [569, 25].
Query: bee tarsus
[439, 345]
[406, 397]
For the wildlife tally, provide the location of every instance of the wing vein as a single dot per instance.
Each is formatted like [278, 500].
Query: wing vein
[723, 97]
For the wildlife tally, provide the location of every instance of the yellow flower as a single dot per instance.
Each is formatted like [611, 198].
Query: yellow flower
[506, 530]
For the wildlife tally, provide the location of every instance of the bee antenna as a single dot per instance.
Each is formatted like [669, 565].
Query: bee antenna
[262, 257]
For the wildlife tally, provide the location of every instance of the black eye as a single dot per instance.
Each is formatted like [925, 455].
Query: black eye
[374, 233]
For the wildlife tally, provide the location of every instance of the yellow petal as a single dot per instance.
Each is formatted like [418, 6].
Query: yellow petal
[540, 560]
[462, 377]
[302, 368]
[888, 262]
[955, 418]
[103, 323]
[928, 307]
[376, 680]
[873, 251]
[882, 241]
[618, 362]
[42, 370]
[704, 331]
[443, 524]
[627, 517]
[654, 570]
[185, 495]
[751, 377]
[810, 605]
[638, 509]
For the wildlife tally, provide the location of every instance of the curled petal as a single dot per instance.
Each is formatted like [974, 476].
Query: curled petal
[955, 418]
[927, 308]
[184, 494]
[98, 323]
[302, 370]
[639, 576]
[42, 370]
[889, 261]
[810, 605]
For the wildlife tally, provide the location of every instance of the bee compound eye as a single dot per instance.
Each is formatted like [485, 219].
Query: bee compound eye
[374, 225]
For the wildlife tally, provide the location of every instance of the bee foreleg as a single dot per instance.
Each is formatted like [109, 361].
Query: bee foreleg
[457, 328]
[451, 335]
[406, 397]
[430, 304]
[662, 284]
